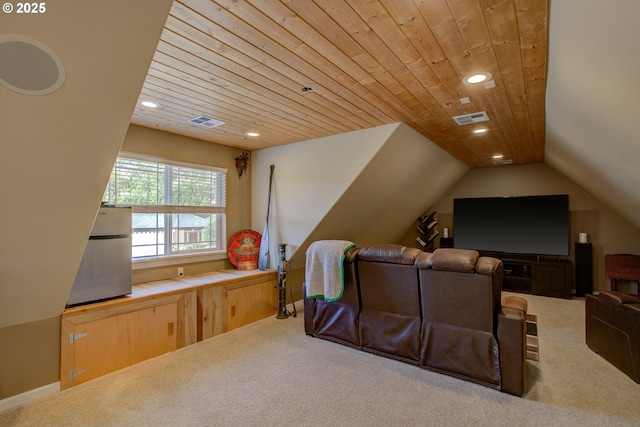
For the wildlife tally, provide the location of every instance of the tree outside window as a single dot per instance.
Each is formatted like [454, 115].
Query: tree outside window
[177, 208]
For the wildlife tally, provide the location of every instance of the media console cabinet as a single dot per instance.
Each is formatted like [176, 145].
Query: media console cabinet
[159, 317]
[552, 277]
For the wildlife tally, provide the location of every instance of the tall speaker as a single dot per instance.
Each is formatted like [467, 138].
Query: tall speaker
[584, 269]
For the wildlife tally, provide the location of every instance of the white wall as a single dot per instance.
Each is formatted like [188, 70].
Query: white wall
[592, 102]
[56, 155]
[365, 186]
[309, 177]
[57, 150]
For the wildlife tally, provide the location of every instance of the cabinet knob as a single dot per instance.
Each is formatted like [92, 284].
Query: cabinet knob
[232, 310]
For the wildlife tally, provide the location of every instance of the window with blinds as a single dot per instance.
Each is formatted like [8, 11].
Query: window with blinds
[177, 208]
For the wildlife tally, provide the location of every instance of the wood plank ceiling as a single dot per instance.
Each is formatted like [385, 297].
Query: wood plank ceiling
[294, 70]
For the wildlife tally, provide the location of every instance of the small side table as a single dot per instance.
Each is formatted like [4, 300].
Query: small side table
[622, 267]
[446, 242]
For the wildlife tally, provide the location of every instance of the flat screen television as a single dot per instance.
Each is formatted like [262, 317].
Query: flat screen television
[536, 225]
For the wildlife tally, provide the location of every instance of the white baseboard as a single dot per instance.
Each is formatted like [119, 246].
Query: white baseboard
[29, 396]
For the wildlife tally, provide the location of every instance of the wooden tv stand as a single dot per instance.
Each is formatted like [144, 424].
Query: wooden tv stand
[537, 275]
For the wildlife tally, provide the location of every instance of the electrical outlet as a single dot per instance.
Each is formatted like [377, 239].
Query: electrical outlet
[180, 271]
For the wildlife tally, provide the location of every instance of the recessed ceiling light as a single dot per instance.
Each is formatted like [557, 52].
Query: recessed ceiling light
[497, 156]
[480, 130]
[252, 134]
[476, 78]
[150, 104]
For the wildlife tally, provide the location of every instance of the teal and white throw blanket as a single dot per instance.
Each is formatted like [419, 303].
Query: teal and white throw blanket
[324, 273]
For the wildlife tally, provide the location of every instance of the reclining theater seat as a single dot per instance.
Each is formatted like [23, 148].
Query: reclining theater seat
[440, 311]
[390, 318]
[336, 321]
[460, 296]
[612, 322]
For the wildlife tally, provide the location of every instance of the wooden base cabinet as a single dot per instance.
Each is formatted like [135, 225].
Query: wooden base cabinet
[251, 303]
[99, 342]
[159, 317]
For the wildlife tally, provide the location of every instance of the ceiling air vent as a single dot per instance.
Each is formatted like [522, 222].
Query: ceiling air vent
[467, 119]
[498, 162]
[205, 121]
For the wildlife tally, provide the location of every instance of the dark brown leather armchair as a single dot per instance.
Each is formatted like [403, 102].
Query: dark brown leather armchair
[612, 321]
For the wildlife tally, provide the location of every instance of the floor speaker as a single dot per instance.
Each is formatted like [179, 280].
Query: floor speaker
[584, 269]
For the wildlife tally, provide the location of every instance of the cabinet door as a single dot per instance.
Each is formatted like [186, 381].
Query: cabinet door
[115, 342]
[251, 303]
[551, 279]
[212, 312]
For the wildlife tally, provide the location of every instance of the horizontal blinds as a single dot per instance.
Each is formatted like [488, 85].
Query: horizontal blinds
[168, 209]
[150, 186]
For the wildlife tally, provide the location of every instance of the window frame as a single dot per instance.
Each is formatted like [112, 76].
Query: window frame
[181, 257]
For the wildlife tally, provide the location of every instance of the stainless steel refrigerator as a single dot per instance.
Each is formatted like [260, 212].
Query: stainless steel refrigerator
[105, 270]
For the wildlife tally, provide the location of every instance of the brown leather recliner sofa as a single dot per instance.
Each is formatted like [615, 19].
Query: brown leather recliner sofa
[441, 311]
[612, 321]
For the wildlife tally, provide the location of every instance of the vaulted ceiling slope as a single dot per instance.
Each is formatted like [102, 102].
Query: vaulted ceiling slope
[57, 150]
[592, 132]
[295, 70]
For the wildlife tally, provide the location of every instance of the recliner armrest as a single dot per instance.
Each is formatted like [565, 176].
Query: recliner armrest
[512, 339]
[512, 303]
[617, 298]
[351, 254]
[488, 265]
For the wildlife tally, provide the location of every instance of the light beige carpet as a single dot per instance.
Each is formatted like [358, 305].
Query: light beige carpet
[271, 374]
